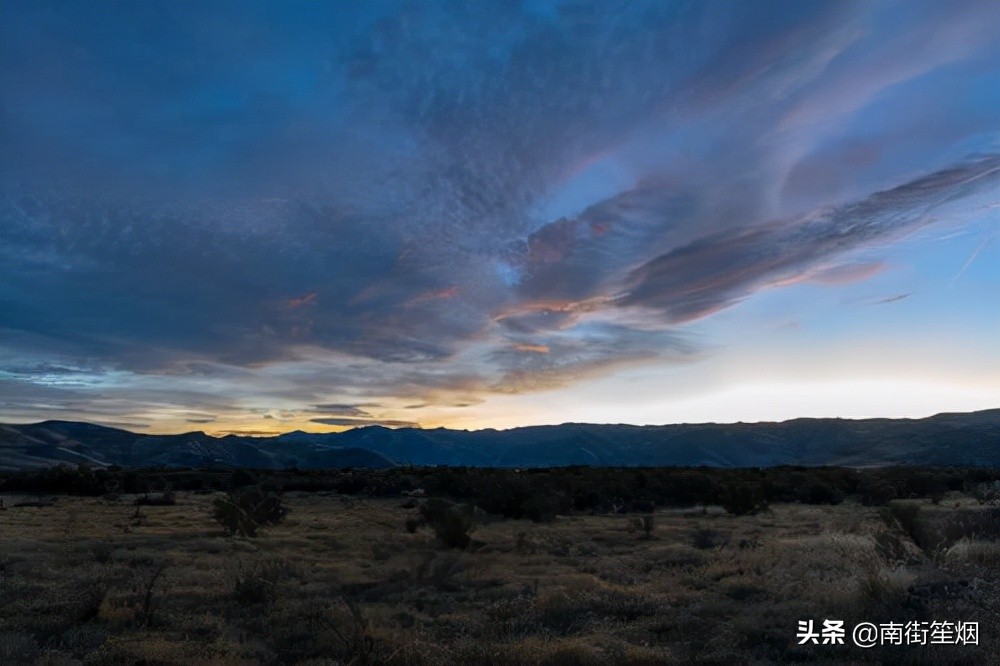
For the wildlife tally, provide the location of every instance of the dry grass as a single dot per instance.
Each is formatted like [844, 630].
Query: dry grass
[342, 581]
[969, 551]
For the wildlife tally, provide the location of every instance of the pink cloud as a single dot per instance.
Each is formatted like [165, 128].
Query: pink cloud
[308, 299]
[847, 273]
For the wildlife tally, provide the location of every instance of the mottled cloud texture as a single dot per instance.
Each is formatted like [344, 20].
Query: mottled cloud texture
[325, 212]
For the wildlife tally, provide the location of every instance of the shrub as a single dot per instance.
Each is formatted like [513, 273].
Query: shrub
[876, 492]
[143, 594]
[451, 522]
[706, 539]
[647, 524]
[984, 553]
[257, 582]
[821, 493]
[166, 498]
[439, 570]
[17, 648]
[245, 510]
[501, 493]
[329, 629]
[986, 493]
[905, 514]
[882, 593]
[744, 499]
[242, 478]
[350, 483]
[644, 524]
[113, 490]
[542, 506]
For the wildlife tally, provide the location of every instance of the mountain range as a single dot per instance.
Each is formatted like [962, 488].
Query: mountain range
[966, 439]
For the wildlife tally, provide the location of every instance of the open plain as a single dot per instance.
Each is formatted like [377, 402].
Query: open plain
[342, 581]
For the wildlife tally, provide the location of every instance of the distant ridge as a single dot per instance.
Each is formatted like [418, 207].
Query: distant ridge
[966, 439]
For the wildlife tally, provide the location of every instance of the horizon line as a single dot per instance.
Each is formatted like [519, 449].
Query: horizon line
[236, 433]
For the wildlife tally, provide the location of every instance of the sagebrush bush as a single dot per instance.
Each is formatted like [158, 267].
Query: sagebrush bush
[245, 510]
[451, 522]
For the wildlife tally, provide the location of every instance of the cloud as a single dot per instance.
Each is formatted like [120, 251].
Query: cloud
[592, 347]
[304, 300]
[218, 209]
[946, 37]
[717, 271]
[358, 423]
[847, 273]
[125, 425]
[337, 409]
[251, 433]
[530, 348]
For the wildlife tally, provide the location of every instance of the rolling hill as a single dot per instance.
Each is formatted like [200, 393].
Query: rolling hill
[970, 439]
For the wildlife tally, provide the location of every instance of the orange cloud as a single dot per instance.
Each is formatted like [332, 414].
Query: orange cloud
[442, 294]
[537, 349]
[834, 275]
[304, 300]
[848, 273]
[553, 306]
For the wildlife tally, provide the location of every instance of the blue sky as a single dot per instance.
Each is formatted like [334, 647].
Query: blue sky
[261, 216]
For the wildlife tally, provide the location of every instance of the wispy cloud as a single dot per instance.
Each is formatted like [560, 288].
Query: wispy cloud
[893, 299]
[713, 272]
[365, 208]
[304, 300]
[344, 410]
[357, 423]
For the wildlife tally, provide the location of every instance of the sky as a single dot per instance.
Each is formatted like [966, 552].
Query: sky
[255, 217]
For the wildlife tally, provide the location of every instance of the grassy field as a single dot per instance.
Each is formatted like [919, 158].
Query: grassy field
[96, 581]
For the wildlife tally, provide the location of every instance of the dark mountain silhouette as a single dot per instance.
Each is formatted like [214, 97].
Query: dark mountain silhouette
[971, 439]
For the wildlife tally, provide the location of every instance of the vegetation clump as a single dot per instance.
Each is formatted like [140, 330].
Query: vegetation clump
[451, 522]
[256, 582]
[245, 510]
[744, 499]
